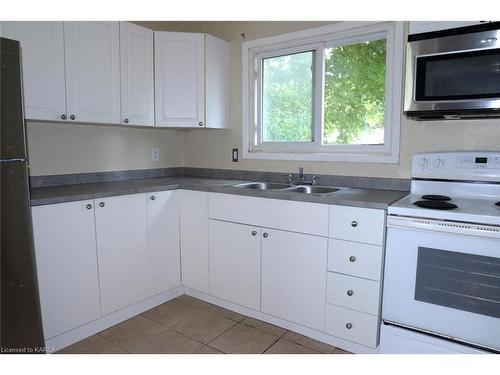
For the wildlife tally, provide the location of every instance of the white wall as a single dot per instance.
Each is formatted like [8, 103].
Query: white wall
[63, 148]
[71, 148]
[212, 149]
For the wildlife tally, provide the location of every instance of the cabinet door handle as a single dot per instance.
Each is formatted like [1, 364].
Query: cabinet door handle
[125, 120]
[265, 235]
[350, 292]
[88, 206]
[152, 197]
[63, 117]
[348, 325]
[72, 117]
[254, 233]
[101, 204]
[200, 123]
[354, 223]
[352, 258]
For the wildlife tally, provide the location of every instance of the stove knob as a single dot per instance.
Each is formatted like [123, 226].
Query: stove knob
[423, 163]
[438, 163]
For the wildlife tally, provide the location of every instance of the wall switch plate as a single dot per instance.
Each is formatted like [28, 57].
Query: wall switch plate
[155, 154]
[235, 155]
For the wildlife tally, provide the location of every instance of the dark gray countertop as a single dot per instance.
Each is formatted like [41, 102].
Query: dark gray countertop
[369, 198]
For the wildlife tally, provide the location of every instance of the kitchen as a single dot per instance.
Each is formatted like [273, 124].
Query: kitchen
[163, 195]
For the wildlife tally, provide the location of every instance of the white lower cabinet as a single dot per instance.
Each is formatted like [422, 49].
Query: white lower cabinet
[353, 292]
[194, 239]
[100, 256]
[122, 248]
[352, 325]
[294, 277]
[235, 263]
[66, 260]
[164, 257]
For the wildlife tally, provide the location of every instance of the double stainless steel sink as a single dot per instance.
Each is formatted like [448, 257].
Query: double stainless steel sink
[303, 189]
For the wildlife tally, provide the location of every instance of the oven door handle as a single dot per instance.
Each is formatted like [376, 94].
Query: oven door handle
[452, 227]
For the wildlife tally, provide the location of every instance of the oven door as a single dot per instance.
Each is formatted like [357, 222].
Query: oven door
[454, 75]
[444, 278]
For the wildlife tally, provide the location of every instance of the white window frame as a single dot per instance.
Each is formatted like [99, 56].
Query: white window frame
[318, 39]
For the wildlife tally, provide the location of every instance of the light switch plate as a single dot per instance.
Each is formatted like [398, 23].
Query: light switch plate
[235, 155]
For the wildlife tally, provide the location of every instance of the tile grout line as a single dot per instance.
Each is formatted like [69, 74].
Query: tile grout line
[113, 343]
[270, 346]
[176, 331]
[304, 346]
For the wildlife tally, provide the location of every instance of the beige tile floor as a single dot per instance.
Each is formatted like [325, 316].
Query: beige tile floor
[191, 326]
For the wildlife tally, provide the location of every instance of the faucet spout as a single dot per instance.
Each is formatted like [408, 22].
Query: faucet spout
[301, 173]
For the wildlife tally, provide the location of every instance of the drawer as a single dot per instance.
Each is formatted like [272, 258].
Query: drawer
[352, 292]
[365, 225]
[309, 218]
[352, 325]
[354, 258]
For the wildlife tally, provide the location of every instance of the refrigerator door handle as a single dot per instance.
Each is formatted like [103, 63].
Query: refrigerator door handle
[12, 160]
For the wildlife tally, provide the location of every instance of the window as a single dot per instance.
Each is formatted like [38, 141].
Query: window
[331, 93]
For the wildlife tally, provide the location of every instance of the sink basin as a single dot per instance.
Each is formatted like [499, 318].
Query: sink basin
[306, 189]
[262, 186]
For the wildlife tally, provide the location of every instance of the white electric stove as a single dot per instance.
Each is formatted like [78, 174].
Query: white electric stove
[442, 266]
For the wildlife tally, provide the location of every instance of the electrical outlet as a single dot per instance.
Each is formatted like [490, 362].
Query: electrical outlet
[155, 154]
[235, 155]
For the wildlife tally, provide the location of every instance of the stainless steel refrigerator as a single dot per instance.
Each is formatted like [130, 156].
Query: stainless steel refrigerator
[20, 325]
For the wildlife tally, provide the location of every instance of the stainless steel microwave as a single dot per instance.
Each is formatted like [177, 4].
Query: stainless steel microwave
[454, 74]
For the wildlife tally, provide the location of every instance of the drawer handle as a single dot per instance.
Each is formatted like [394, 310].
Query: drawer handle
[350, 292]
[101, 204]
[254, 233]
[352, 258]
[354, 223]
[348, 325]
[265, 235]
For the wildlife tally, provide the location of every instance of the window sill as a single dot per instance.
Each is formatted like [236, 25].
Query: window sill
[322, 156]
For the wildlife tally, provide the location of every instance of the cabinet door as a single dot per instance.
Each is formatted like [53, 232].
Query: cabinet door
[122, 248]
[163, 241]
[92, 51]
[235, 263]
[179, 79]
[136, 63]
[194, 239]
[65, 247]
[217, 83]
[294, 277]
[42, 56]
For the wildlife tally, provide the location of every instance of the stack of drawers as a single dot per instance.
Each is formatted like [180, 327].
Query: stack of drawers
[355, 249]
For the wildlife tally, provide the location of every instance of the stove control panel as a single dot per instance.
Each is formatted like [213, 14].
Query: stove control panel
[469, 165]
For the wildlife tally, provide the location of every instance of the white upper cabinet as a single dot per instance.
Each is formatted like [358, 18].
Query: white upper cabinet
[42, 54]
[92, 51]
[122, 73]
[136, 63]
[217, 83]
[191, 80]
[179, 79]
